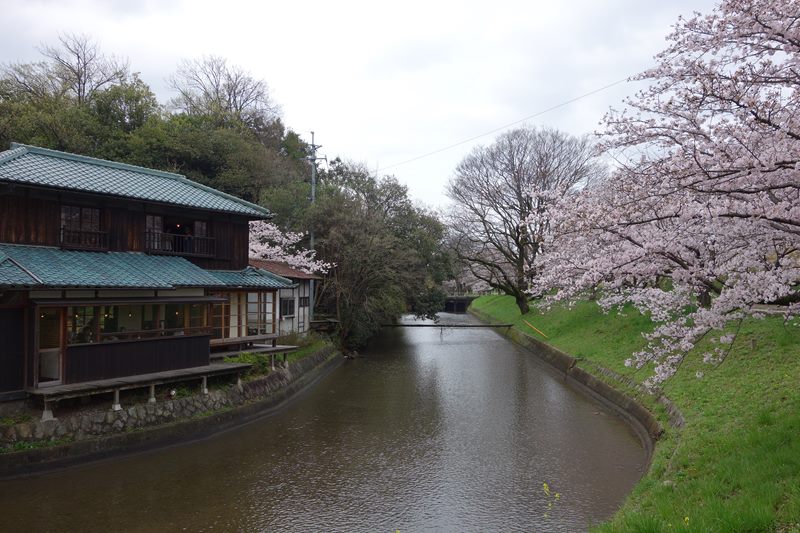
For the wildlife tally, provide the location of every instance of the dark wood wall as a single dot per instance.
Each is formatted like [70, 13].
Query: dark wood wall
[30, 216]
[12, 353]
[25, 220]
[108, 360]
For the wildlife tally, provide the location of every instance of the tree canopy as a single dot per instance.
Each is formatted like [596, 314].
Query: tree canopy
[501, 193]
[701, 221]
[386, 252]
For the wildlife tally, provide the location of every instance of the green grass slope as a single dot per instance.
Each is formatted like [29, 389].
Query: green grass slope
[735, 466]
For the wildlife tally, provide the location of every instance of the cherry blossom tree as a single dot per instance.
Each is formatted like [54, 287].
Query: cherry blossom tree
[700, 222]
[267, 241]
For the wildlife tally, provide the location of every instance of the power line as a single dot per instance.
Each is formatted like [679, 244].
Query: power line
[538, 113]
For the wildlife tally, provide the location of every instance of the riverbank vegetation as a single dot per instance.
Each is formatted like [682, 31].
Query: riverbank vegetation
[735, 465]
[307, 345]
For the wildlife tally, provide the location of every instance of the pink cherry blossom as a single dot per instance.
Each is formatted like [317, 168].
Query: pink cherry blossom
[267, 241]
[704, 203]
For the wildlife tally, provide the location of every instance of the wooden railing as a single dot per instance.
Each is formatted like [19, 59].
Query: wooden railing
[84, 239]
[157, 242]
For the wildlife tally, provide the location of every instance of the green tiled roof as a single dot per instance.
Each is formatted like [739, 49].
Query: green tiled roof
[11, 274]
[50, 168]
[251, 278]
[44, 266]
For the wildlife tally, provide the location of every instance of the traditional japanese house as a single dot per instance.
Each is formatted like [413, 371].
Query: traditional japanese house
[109, 270]
[294, 306]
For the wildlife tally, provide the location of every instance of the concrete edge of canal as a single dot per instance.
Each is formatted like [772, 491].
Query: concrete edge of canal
[643, 422]
[260, 398]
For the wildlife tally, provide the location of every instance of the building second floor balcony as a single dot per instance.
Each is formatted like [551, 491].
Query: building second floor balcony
[83, 239]
[164, 243]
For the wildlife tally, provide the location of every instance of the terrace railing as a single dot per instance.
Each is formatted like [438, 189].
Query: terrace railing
[84, 239]
[157, 242]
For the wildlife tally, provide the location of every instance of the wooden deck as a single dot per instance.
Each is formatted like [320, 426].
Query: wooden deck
[249, 340]
[263, 349]
[115, 385]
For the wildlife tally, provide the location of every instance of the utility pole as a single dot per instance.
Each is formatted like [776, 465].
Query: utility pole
[313, 159]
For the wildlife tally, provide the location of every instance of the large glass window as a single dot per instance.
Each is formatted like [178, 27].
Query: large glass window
[81, 325]
[244, 314]
[88, 324]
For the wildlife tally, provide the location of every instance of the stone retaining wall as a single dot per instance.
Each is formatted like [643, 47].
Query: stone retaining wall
[89, 435]
[641, 419]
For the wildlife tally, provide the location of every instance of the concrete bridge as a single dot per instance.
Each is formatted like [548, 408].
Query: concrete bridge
[457, 304]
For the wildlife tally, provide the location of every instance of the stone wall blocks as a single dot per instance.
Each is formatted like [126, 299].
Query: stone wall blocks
[256, 394]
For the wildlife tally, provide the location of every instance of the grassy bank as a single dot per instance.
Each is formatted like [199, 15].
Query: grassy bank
[735, 466]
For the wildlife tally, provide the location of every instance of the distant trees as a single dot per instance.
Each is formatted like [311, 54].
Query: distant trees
[75, 69]
[502, 193]
[209, 86]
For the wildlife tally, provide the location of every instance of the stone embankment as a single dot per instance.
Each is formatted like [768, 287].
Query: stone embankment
[95, 434]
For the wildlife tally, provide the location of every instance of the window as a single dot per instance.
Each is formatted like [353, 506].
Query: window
[287, 307]
[174, 317]
[220, 316]
[200, 228]
[259, 313]
[176, 235]
[229, 319]
[108, 323]
[80, 227]
[304, 301]
[81, 325]
[50, 345]
[154, 226]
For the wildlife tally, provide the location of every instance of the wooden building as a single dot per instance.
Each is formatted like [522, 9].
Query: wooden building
[295, 302]
[110, 270]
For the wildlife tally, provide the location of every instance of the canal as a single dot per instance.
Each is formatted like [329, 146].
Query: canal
[433, 430]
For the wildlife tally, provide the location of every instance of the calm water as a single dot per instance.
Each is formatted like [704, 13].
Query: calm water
[432, 431]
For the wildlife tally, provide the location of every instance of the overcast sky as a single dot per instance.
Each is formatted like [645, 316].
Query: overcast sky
[383, 83]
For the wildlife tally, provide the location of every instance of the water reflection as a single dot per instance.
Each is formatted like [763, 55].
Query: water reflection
[451, 430]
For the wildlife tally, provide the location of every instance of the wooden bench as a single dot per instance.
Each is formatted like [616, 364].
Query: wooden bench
[115, 385]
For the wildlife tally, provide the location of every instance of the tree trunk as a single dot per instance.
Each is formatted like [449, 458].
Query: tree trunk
[522, 303]
[704, 298]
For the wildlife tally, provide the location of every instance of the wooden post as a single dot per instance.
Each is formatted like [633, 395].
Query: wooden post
[47, 412]
[152, 398]
[204, 386]
[116, 406]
